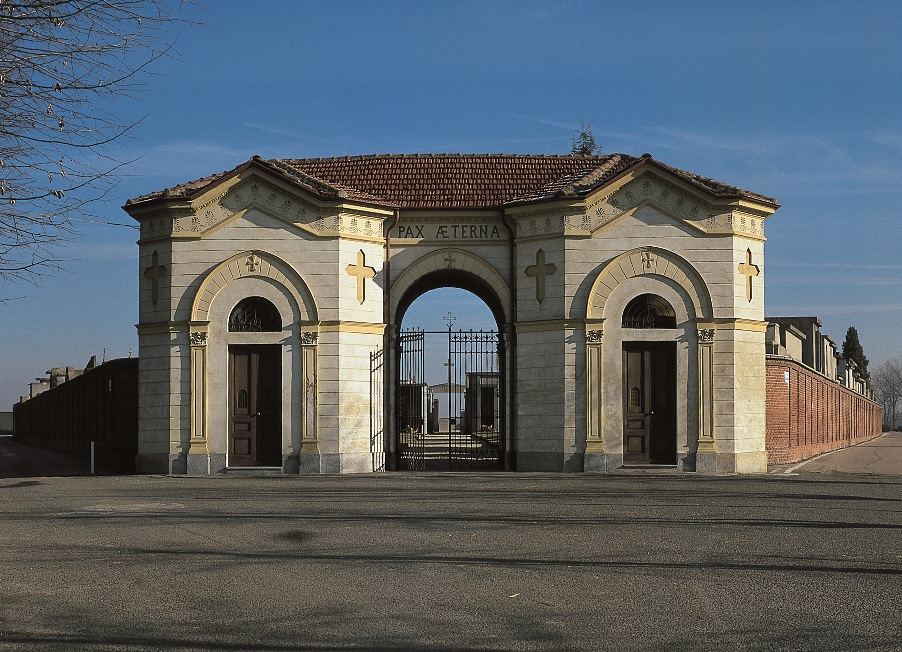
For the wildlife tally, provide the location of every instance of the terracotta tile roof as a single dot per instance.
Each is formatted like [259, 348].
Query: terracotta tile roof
[450, 180]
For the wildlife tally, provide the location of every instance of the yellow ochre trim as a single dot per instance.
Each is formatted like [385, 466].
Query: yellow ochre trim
[351, 327]
[734, 324]
[549, 325]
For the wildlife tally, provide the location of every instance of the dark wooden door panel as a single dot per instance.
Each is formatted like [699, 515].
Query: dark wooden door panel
[242, 431]
[269, 407]
[663, 425]
[635, 402]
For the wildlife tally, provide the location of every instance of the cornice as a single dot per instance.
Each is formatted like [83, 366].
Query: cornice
[163, 327]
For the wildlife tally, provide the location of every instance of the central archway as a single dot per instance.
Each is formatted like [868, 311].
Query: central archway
[449, 373]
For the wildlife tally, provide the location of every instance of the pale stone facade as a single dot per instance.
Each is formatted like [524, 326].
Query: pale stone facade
[558, 263]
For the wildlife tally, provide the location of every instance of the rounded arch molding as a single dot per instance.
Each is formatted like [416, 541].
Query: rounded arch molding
[649, 261]
[456, 261]
[256, 264]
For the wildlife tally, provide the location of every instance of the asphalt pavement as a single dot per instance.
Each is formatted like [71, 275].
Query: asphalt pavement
[880, 456]
[806, 561]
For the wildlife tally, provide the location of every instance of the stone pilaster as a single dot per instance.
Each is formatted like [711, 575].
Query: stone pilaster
[198, 458]
[594, 457]
[705, 460]
[309, 457]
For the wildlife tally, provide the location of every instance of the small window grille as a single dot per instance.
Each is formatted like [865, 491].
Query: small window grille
[255, 315]
[242, 399]
[649, 311]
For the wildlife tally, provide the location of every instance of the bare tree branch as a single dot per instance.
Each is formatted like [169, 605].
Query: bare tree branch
[62, 64]
[887, 382]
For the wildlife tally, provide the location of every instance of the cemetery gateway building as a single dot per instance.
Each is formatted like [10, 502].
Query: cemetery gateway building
[628, 297]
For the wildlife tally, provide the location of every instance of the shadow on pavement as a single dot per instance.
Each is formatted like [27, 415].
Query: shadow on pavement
[19, 460]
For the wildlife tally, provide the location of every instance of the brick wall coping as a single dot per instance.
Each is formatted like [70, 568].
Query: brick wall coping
[805, 367]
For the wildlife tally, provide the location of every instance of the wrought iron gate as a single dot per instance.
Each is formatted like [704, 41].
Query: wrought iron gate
[450, 400]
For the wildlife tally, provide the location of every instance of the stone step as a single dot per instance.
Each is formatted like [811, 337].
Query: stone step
[253, 470]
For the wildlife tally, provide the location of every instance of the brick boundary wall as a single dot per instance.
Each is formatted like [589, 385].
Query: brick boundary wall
[101, 405]
[811, 414]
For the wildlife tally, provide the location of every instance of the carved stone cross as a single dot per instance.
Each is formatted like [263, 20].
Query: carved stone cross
[449, 261]
[252, 263]
[155, 272]
[362, 272]
[540, 270]
[749, 271]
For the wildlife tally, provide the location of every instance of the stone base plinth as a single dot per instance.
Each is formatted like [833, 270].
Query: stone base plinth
[308, 464]
[197, 464]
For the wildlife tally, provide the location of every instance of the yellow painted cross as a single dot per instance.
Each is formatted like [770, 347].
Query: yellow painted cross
[749, 271]
[362, 272]
[540, 270]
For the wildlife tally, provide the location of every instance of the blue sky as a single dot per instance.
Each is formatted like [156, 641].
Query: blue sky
[795, 100]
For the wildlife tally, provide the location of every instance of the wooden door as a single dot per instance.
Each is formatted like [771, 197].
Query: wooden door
[255, 407]
[649, 403]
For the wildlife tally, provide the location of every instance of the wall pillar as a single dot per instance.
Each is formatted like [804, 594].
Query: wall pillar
[739, 400]
[198, 458]
[309, 457]
[594, 459]
[705, 460]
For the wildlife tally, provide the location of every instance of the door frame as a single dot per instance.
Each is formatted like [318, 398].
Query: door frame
[659, 361]
[272, 413]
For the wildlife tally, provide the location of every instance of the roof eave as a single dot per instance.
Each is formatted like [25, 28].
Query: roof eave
[167, 197]
[728, 196]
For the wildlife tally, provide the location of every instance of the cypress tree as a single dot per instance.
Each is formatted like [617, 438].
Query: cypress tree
[852, 350]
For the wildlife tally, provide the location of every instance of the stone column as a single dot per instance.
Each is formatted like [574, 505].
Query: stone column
[705, 460]
[508, 400]
[198, 461]
[389, 382]
[309, 458]
[594, 457]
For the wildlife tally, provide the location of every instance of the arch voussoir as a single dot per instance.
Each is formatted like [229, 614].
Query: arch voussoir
[649, 261]
[461, 262]
[257, 264]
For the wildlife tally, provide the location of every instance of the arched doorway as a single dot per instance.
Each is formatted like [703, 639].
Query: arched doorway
[253, 336]
[255, 380]
[450, 376]
[649, 384]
